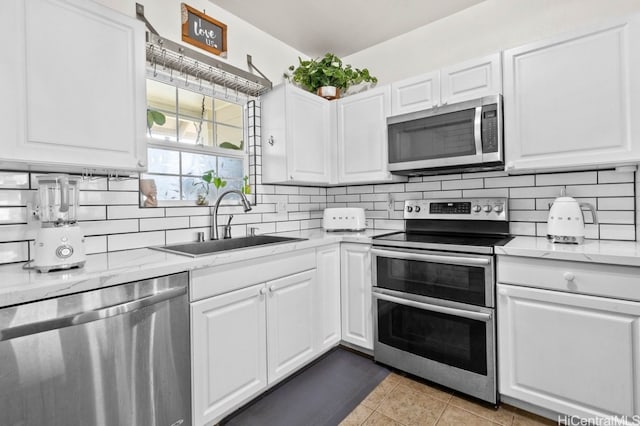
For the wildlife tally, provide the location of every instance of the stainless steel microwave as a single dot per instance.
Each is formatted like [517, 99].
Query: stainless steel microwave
[463, 136]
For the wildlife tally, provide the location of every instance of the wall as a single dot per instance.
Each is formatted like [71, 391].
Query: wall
[485, 28]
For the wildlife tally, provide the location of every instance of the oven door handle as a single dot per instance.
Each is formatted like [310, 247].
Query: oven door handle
[457, 260]
[477, 130]
[479, 316]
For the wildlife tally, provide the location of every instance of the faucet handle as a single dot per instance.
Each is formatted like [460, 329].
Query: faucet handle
[252, 231]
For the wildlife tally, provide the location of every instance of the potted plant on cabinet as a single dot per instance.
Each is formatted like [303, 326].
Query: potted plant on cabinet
[327, 76]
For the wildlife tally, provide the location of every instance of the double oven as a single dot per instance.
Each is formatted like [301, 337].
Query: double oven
[434, 293]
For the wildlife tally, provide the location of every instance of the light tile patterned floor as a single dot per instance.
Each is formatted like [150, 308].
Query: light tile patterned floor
[402, 401]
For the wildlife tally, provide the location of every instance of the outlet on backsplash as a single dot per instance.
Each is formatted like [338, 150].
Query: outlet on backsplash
[281, 207]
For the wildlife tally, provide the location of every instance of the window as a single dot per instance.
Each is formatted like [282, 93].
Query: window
[200, 132]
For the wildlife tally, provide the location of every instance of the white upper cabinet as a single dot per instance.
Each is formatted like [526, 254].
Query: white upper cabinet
[73, 87]
[296, 137]
[460, 82]
[362, 137]
[415, 93]
[573, 101]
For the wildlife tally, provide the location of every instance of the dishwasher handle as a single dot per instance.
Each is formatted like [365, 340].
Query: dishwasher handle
[85, 317]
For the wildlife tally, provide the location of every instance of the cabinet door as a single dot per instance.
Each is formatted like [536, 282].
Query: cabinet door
[357, 316]
[415, 93]
[308, 134]
[75, 78]
[228, 349]
[571, 102]
[471, 79]
[328, 297]
[290, 330]
[573, 354]
[362, 137]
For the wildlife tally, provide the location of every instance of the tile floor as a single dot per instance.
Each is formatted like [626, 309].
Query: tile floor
[402, 401]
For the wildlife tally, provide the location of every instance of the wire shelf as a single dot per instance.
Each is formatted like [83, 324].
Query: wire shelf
[168, 56]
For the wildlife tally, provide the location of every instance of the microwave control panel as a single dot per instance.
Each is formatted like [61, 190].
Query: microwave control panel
[471, 209]
[490, 128]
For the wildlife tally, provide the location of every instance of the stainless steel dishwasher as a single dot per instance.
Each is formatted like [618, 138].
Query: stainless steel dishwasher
[114, 356]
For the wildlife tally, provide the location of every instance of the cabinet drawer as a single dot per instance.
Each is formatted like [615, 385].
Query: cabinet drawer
[620, 282]
[217, 280]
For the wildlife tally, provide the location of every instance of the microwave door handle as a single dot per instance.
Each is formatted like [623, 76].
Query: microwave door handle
[478, 316]
[477, 130]
[456, 260]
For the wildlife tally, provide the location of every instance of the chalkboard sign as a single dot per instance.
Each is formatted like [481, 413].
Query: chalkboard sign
[203, 31]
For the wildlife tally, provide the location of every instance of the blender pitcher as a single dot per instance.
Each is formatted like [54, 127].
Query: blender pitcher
[59, 242]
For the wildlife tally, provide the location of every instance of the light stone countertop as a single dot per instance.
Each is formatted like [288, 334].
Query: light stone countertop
[107, 269]
[595, 251]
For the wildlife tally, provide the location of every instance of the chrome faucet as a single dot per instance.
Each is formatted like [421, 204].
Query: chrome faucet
[214, 216]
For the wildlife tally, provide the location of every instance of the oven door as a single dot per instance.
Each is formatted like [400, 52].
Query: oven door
[445, 342]
[464, 278]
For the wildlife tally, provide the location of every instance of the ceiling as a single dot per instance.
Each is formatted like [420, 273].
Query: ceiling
[341, 27]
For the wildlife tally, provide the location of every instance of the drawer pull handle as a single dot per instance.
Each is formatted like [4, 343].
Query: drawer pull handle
[569, 276]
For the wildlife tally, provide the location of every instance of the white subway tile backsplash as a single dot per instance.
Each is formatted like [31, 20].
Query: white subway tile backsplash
[12, 197]
[337, 190]
[15, 180]
[131, 212]
[135, 240]
[480, 193]
[123, 184]
[287, 226]
[112, 219]
[10, 215]
[611, 176]
[14, 252]
[93, 184]
[360, 189]
[289, 190]
[105, 227]
[576, 178]
[426, 186]
[602, 190]
[393, 187]
[621, 203]
[535, 192]
[155, 224]
[511, 181]
[96, 244]
[187, 211]
[92, 213]
[108, 198]
[462, 184]
[522, 204]
[616, 217]
[618, 232]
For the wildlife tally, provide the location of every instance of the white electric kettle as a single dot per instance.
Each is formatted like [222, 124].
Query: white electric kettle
[566, 220]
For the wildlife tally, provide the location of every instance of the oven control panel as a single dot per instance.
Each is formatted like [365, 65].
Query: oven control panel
[461, 208]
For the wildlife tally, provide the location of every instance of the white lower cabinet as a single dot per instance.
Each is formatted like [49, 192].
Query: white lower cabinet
[290, 323]
[574, 354]
[328, 296]
[357, 315]
[229, 352]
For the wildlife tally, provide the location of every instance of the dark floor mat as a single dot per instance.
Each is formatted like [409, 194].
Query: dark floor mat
[322, 395]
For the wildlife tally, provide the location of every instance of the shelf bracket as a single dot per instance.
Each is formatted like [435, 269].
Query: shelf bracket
[253, 67]
[140, 15]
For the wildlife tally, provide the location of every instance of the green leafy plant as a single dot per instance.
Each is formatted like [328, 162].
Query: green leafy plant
[155, 117]
[211, 176]
[229, 145]
[312, 74]
[246, 188]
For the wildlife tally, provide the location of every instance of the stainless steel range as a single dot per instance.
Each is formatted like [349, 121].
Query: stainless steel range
[434, 293]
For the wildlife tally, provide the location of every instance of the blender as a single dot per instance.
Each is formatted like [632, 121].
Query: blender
[59, 242]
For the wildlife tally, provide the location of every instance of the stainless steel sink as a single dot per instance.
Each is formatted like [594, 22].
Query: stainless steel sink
[215, 246]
